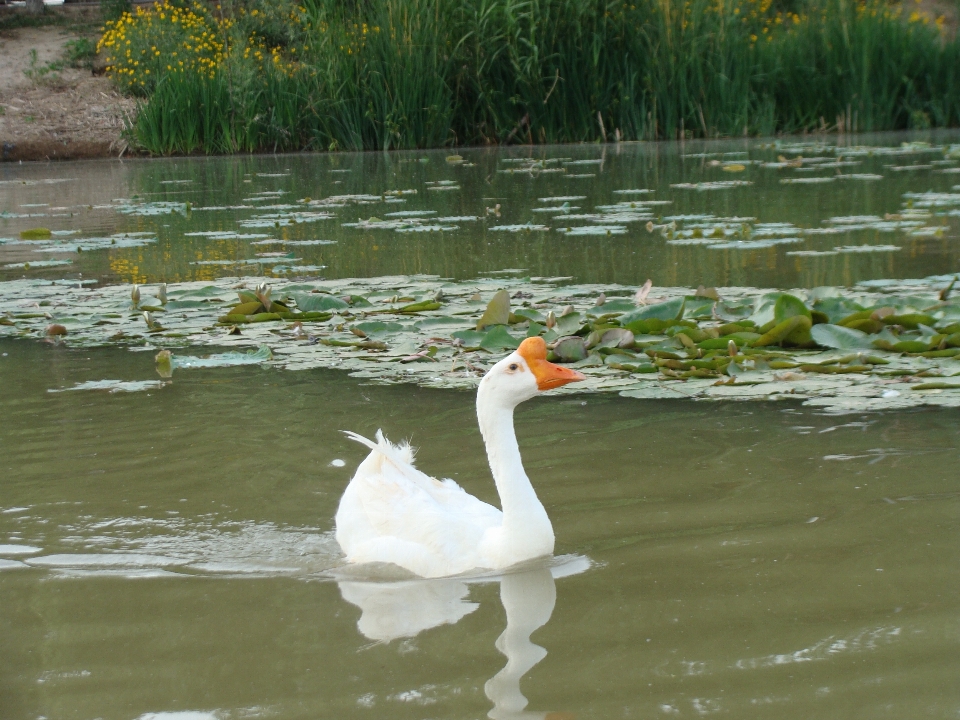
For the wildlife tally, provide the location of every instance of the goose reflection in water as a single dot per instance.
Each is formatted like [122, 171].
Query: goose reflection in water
[394, 610]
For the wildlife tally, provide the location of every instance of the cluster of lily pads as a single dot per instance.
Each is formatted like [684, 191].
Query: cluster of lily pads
[44, 240]
[922, 214]
[880, 344]
[745, 233]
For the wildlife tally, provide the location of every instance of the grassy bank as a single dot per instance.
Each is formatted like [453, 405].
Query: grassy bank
[383, 74]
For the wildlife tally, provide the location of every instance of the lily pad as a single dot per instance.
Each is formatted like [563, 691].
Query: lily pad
[569, 349]
[470, 339]
[716, 185]
[314, 302]
[788, 306]
[228, 359]
[38, 264]
[499, 339]
[653, 317]
[684, 343]
[526, 227]
[617, 338]
[497, 312]
[794, 330]
[38, 233]
[378, 327]
[615, 305]
[585, 230]
[839, 337]
[115, 386]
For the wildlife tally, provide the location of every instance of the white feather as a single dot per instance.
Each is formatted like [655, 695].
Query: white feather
[391, 512]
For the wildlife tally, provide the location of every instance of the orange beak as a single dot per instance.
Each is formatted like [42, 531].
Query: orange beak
[548, 375]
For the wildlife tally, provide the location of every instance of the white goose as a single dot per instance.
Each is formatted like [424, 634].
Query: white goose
[393, 513]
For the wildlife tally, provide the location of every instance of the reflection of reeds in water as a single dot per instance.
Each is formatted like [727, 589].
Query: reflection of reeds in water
[422, 73]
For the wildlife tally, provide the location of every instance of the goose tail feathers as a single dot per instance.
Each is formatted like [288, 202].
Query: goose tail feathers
[402, 453]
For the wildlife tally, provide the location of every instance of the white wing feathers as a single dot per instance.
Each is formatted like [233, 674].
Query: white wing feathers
[399, 500]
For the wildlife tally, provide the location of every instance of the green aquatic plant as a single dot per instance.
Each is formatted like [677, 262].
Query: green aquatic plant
[167, 362]
[114, 386]
[38, 233]
[843, 349]
[328, 75]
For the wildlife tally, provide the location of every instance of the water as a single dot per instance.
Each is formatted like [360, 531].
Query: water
[85, 201]
[775, 562]
[168, 555]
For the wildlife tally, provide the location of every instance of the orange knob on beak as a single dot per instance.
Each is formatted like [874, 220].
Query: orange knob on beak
[548, 375]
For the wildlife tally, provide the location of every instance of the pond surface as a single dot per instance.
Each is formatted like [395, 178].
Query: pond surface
[168, 554]
[293, 213]
[776, 563]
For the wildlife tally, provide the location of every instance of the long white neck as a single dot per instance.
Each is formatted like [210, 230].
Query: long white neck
[527, 529]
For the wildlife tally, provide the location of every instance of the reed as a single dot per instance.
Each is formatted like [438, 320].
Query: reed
[387, 74]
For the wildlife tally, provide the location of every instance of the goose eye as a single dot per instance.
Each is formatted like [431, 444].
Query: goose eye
[513, 367]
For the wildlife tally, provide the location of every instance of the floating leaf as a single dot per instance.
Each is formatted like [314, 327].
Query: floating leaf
[569, 323]
[794, 330]
[318, 302]
[378, 327]
[837, 308]
[497, 312]
[653, 317]
[470, 339]
[867, 248]
[246, 308]
[36, 264]
[38, 233]
[499, 339]
[909, 320]
[115, 386]
[569, 349]
[441, 323]
[422, 306]
[936, 386]
[251, 357]
[528, 227]
[716, 185]
[839, 337]
[729, 311]
[788, 306]
[531, 314]
[617, 337]
[593, 230]
[698, 307]
[912, 346]
[618, 305]
[683, 350]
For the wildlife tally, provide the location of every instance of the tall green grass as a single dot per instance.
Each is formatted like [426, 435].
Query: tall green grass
[429, 73]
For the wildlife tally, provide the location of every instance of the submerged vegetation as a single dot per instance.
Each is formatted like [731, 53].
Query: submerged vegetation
[325, 74]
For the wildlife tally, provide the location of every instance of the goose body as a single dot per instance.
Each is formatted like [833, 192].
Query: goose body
[391, 512]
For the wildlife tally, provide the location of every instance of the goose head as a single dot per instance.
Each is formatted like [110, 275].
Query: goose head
[523, 374]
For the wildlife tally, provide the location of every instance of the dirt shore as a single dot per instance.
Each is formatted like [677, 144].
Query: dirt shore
[55, 114]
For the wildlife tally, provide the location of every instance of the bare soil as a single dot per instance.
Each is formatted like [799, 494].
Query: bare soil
[64, 114]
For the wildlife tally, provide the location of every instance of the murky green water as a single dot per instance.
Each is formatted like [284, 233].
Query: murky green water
[254, 192]
[745, 560]
[170, 551]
